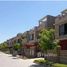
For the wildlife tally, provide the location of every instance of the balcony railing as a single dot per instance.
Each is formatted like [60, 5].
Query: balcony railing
[61, 18]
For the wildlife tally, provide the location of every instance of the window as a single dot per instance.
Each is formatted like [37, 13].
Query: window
[32, 37]
[63, 29]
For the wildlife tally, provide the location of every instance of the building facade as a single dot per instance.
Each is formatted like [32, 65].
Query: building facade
[47, 22]
[30, 38]
[61, 29]
[31, 47]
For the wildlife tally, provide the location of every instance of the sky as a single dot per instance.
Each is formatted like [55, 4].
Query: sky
[20, 16]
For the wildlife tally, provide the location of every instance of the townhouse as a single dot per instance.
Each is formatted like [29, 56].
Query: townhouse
[31, 46]
[61, 29]
[47, 22]
[29, 38]
[11, 42]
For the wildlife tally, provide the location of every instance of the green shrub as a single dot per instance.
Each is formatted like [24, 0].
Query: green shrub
[40, 61]
[59, 65]
[16, 46]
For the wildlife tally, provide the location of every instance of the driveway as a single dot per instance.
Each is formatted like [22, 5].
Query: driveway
[6, 60]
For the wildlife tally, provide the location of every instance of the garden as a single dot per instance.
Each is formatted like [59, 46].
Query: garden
[43, 62]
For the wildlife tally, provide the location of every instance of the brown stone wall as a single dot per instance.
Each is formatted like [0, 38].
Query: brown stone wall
[63, 56]
[58, 22]
[59, 56]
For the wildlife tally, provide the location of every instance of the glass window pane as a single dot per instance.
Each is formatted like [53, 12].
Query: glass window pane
[61, 30]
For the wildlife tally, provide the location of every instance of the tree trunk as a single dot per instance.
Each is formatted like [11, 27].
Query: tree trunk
[46, 58]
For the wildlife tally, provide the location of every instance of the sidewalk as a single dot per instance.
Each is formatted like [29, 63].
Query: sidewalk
[6, 60]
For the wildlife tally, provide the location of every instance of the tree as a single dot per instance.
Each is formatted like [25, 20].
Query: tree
[16, 46]
[46, 40]
[4, 46]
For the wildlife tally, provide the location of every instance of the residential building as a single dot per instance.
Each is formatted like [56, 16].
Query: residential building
[11, 42]
[31, 45]
[33, 34]
[47, 22]
[15, 39]
[61, 29]
[30, 38]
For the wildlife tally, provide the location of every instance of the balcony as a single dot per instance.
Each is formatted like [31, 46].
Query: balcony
[61, 18]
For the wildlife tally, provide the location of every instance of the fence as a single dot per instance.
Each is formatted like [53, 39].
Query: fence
[63, 56]
[57, 55]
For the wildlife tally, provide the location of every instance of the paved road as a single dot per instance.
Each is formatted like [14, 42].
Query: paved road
[9, 61]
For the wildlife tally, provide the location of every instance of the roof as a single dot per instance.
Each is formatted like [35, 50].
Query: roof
[64, 11]
[45, 17]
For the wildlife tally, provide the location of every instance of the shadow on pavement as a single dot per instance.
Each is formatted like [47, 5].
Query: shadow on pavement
[14, 58]
[37, 65]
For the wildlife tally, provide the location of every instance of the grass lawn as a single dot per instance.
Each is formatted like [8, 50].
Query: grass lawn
[42, 61]
[59, 65]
